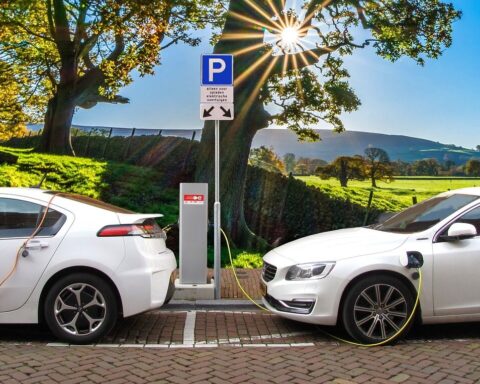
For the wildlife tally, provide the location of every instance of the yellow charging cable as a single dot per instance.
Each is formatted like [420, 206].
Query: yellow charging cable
[391, 338]
[236, 277]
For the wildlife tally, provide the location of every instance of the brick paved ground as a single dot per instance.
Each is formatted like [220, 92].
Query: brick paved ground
[451, 362]
[249, 278]
[234, 347]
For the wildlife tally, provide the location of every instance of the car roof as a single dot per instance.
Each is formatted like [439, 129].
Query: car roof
[474, 191]
[37, 193]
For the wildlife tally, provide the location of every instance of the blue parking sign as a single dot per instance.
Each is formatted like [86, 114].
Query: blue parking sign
[217, 70]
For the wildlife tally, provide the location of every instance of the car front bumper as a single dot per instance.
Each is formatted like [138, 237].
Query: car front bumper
[313, 301]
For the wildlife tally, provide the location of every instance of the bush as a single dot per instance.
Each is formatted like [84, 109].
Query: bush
[248, 260]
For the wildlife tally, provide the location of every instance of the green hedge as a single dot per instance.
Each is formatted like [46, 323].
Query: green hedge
[282, 209]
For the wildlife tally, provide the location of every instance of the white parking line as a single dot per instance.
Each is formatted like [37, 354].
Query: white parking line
[189, 329]
[185, 345]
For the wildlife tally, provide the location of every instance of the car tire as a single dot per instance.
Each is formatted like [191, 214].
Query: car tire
[80, 308]
[376, 308]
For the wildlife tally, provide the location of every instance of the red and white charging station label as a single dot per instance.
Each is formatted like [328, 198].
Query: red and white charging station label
[194, 199]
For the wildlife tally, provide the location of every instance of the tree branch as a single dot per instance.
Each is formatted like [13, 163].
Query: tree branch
[119, 48]
[303, 59]
[62, 28]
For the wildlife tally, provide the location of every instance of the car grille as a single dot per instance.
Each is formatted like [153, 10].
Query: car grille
[303, 307]
[268, 272]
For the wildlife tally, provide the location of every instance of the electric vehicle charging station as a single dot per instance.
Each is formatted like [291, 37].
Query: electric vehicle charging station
[216, 103]
[193, 233]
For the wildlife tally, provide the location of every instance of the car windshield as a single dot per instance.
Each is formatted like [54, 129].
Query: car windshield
[425, 214]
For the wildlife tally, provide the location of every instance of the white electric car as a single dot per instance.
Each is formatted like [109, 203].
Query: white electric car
[89, 263]
[357, 277]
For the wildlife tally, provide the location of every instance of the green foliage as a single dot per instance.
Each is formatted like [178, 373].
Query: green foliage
[248, 260]
[344, 168]
[242, 258]
[426, 167]
[472, 168]
[267, 159]
[377, 165]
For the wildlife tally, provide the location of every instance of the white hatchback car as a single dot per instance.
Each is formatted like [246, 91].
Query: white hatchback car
[357, 277]
[89, 263]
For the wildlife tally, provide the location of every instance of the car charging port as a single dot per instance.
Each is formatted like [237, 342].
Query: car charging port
[415, 259]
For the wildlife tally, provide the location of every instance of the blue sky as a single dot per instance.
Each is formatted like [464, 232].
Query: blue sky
[440, 101]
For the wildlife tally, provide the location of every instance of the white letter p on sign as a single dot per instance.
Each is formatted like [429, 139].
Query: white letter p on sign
[212, 69]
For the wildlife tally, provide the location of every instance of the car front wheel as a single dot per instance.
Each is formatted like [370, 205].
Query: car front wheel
[377, 308]
[80, 308]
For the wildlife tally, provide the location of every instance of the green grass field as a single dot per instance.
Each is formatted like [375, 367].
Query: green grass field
[390, 196]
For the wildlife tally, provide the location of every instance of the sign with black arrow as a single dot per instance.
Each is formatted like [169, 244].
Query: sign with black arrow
[216, 91]
[216, 111]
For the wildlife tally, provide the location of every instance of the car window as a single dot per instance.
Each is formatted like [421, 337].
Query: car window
[19, 218]
[426, 214]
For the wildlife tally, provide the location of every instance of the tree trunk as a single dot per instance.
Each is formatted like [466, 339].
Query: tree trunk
[235, 142]
[58, 120]
[237, 135]
[374, 182]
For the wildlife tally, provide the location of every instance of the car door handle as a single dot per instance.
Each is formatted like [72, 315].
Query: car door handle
[36, 244]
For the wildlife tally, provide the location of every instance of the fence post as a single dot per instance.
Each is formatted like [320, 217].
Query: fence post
[85, 153]
[414, 200]
[106, 143]
[370, 198]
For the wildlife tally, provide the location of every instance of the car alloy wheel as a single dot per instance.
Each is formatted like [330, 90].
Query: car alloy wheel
[376, 308]
[380, 311]
[80, 308]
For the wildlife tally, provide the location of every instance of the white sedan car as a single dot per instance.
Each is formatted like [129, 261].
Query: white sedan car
[357, 277]
[88, 264]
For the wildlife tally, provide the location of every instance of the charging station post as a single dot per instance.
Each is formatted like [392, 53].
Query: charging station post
[216, 103]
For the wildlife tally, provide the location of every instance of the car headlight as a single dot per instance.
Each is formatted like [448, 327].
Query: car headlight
[309, 271]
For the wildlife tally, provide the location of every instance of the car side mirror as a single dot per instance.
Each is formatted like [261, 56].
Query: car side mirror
[461, 231]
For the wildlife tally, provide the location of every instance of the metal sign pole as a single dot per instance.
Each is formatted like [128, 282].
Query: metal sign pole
[216, 103]
[217, 242]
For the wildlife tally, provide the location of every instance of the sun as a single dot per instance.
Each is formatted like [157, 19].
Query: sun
[289, 36]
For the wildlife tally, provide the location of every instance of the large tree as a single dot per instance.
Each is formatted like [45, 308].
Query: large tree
[377, 165]
[344, 168]
[81, 52]
[267, 159]
[293, 61]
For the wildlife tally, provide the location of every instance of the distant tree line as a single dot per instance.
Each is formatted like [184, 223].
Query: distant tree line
[374, 165]
[432, 167]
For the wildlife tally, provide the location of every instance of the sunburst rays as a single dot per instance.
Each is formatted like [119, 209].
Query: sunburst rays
[280, 35]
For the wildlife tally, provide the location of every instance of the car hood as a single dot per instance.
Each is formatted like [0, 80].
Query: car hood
[340, 244]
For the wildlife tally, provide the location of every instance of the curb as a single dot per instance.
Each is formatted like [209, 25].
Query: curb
[222, 304]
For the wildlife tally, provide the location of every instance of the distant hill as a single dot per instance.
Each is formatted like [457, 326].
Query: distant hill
[350, 143]
[331, 146]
